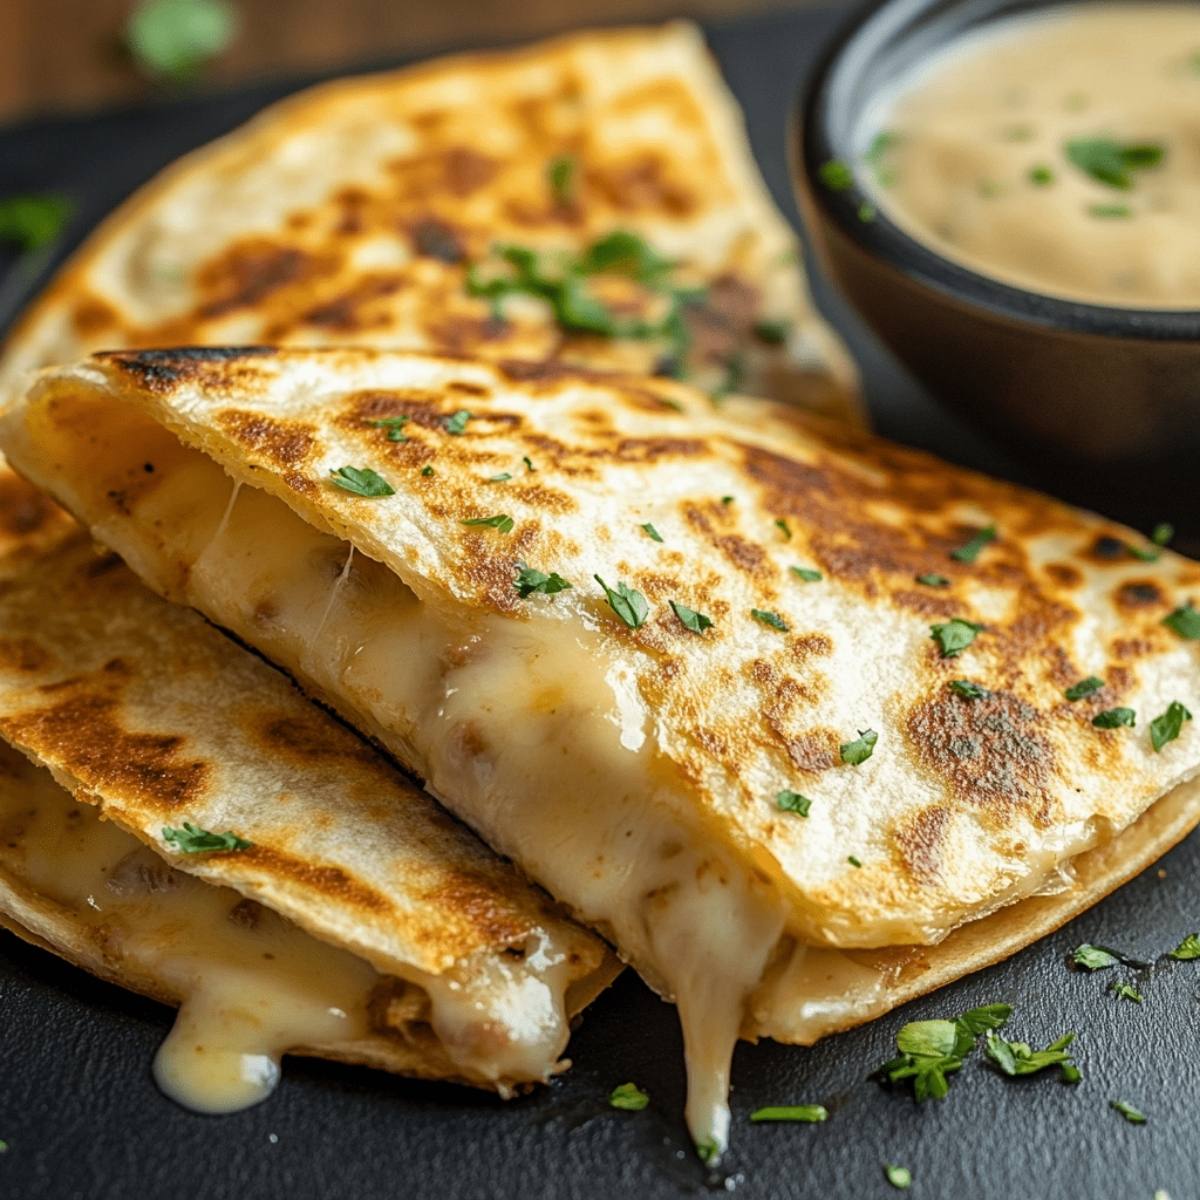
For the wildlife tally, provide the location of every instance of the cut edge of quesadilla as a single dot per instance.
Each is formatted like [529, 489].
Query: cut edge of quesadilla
[366, 210]
[700, 918]
[189, 826]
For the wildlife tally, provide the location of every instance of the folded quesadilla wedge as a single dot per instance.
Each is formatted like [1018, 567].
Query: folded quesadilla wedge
[591, 199]
[186, 824]
[831, 697]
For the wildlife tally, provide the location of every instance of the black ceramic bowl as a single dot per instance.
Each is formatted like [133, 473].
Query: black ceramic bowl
[1078, 382]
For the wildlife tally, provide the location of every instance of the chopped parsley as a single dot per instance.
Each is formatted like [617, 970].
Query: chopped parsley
[783, 528]
[726, 499]
[1070, 1073]
[426, 470]
[1163, 532]
[651, 532]
[774, 333]
[854, 862]
[769, 618]
[968, 552]
[501, 521]
[1041, 175]
[560, 175]
[931, 1050]
[1126, 991]
[899, 1177]
[1085, 687]
[809, 1114]
[954, 636]
[1017, 1058]
[867, 212]
[1167, 727]
[859, 750]
[1115, 718]
[33, 221]
[969, 690]
[1110, 212]
[630, 1097]
[628, 603]
[1185, 621]
[707, 1151]
[362, 481]
[836, 175]
[503, 477]
[806, 573]
[456, 423]
[932, 579]
[792, 802]
[877, 154]
[192, 840]
[394, 427]
[1187, 950]
[174, 39]
[530, 581]
[1130, 1112]
[1112, 163]
[528, 463]
[697, 622]
[1094, 958]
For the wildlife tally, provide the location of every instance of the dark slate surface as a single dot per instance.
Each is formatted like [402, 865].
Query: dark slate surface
[82, 1117]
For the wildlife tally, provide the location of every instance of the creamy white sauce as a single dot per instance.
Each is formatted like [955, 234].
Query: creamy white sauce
[974, 162]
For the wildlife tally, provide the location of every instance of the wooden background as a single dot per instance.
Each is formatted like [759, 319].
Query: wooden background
[66, 55]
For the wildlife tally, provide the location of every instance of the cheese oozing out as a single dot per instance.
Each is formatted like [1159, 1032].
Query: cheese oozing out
[251, 985]
[526, 729]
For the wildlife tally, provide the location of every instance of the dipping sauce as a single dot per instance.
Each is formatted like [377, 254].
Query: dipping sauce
[1058, 151]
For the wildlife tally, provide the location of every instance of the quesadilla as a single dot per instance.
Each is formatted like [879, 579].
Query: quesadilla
[591, 199]
[183, 822]
[775, 706]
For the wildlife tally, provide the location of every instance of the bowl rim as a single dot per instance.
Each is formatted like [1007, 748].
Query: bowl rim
[812, 146]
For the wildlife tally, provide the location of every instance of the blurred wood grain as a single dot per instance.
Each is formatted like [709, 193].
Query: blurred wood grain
[66, 55]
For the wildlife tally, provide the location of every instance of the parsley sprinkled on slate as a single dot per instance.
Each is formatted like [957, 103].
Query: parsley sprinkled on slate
[1085, 687]
[783, 528]
[954, 636]
[1110, 212]
[1130, 1112]
[1093, 958]
[530, 581]
[1113, 163]
[192, 840]
[1070, 1073]
[503, 477]
[707, 1150]
[1187, 950]
[651, 532]
[560, 175]
[426, 470]
[806, 573]
[628, 603]
[969, 690]
[867, 212]
[1041, 175]
[792, 802]
[457, 422]
[1185, 621]
[836, 175]
[809, 1114]
[769, 618]
[697, 622]
[1115, 718]
[630, 1097]
[394, 427]
[362, 481]
[854, 862]
[1126, 991]
[3, 1146]
[528, 463]
[1017, 1058]
[1167, 727]
[501, 521]
[968, 552]
[899, 1177]
[931, 579]
[931, 1050]
[31, 222]
[859, 750]
[1162, 533]
[774, 333]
